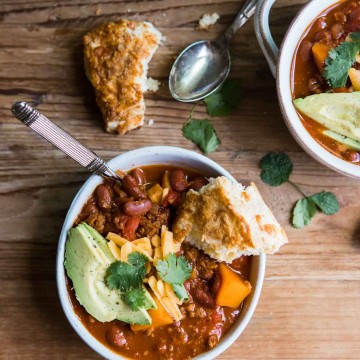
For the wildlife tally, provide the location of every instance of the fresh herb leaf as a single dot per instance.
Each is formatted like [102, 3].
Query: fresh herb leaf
[137, 259]
[276, 168]
[135, 298]
[225, 100]
[201, 133]
[180, 291]
[340, 60]
[304, 211]
[326, 202]
[127, 276]
[174, 270]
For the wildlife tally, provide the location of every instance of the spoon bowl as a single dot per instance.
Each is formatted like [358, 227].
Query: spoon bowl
[203, 66]
[199, 70]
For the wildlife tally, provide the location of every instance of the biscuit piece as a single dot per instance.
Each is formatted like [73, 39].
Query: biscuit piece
[116, 62]
[226, 221]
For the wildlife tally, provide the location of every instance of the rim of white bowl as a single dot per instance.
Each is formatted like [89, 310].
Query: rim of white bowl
[74, 209]
[287, 51]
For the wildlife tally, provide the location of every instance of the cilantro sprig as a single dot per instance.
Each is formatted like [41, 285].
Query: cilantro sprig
[175, 271]
[222, 102]
[128, 277]
[340, 60]
[276, 170]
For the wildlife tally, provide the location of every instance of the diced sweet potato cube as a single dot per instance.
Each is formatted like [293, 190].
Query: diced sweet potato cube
[320, 52]
[160, 317]
[233, 289]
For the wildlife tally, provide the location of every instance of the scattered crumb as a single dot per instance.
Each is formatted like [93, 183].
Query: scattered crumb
[97, 11]
[152, 84]
[150, 122]
[208, 21]
[54, 18]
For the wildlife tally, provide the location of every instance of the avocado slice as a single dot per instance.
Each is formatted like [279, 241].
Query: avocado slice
[343, 139]
[87, 258]
[339, 112]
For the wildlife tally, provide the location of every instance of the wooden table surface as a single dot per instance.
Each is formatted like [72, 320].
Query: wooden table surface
[309, 307]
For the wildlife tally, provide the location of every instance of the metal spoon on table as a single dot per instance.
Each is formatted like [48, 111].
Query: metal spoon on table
[203, 66]
[62, 140]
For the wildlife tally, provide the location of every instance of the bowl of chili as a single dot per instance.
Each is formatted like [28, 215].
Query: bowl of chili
[299, 72]
[225, 324]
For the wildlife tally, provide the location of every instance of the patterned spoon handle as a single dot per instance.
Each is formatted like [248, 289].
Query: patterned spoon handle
[62, 140]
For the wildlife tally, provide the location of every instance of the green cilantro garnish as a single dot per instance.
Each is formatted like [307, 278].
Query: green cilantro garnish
[304, 211]
[225, 100]
[276, 169]
[222, 102]
[340, 60]
[175, 271]
[128, 277]
[135, 298]
[326, 202]
[201, 133]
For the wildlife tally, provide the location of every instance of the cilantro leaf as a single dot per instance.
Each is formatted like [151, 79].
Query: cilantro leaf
[137, 259]
[276, 168]
[304, 211]
[135, 298]
[201, 133]
[326, 201]
[126, 276]
[340, 60]
[225, 100]
[174, 270]
[180, 291]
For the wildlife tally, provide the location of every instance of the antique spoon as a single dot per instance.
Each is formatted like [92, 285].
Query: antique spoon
[62, 140]
[203, 66]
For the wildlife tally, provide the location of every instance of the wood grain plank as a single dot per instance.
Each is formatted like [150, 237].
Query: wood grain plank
[309, 305]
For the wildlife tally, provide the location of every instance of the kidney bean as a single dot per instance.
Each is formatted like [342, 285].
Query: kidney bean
[132, 188]
[104, 196]
[216, 283]
[130, 226]
[337, 31]
[323, 36]
[137, 208]
[89, 209]
[320, 24]
[172, 198]
[123, 200]
[204, 297]
[115, 336]
[197, 183]
[178, 180]
[139, 176]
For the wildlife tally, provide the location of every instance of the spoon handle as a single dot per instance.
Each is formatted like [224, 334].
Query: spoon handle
[62, 140]
[242, 17]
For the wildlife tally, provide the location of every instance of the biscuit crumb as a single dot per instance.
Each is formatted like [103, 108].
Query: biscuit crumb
[208, 21]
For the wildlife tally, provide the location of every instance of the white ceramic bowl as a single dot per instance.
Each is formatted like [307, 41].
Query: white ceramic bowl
[127, 161]
[280, 66]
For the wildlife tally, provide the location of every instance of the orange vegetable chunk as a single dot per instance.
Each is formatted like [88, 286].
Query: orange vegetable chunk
[320, 52]
[233, 289]
[160, 317]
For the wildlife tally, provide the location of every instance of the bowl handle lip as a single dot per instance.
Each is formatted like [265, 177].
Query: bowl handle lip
[263, 33]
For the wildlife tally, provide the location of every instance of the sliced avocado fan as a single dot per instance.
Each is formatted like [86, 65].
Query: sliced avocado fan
[339, 112]
[87, 258]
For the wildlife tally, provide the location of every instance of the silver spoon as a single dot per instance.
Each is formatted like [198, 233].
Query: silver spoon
[203, 66]
[62, 140]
